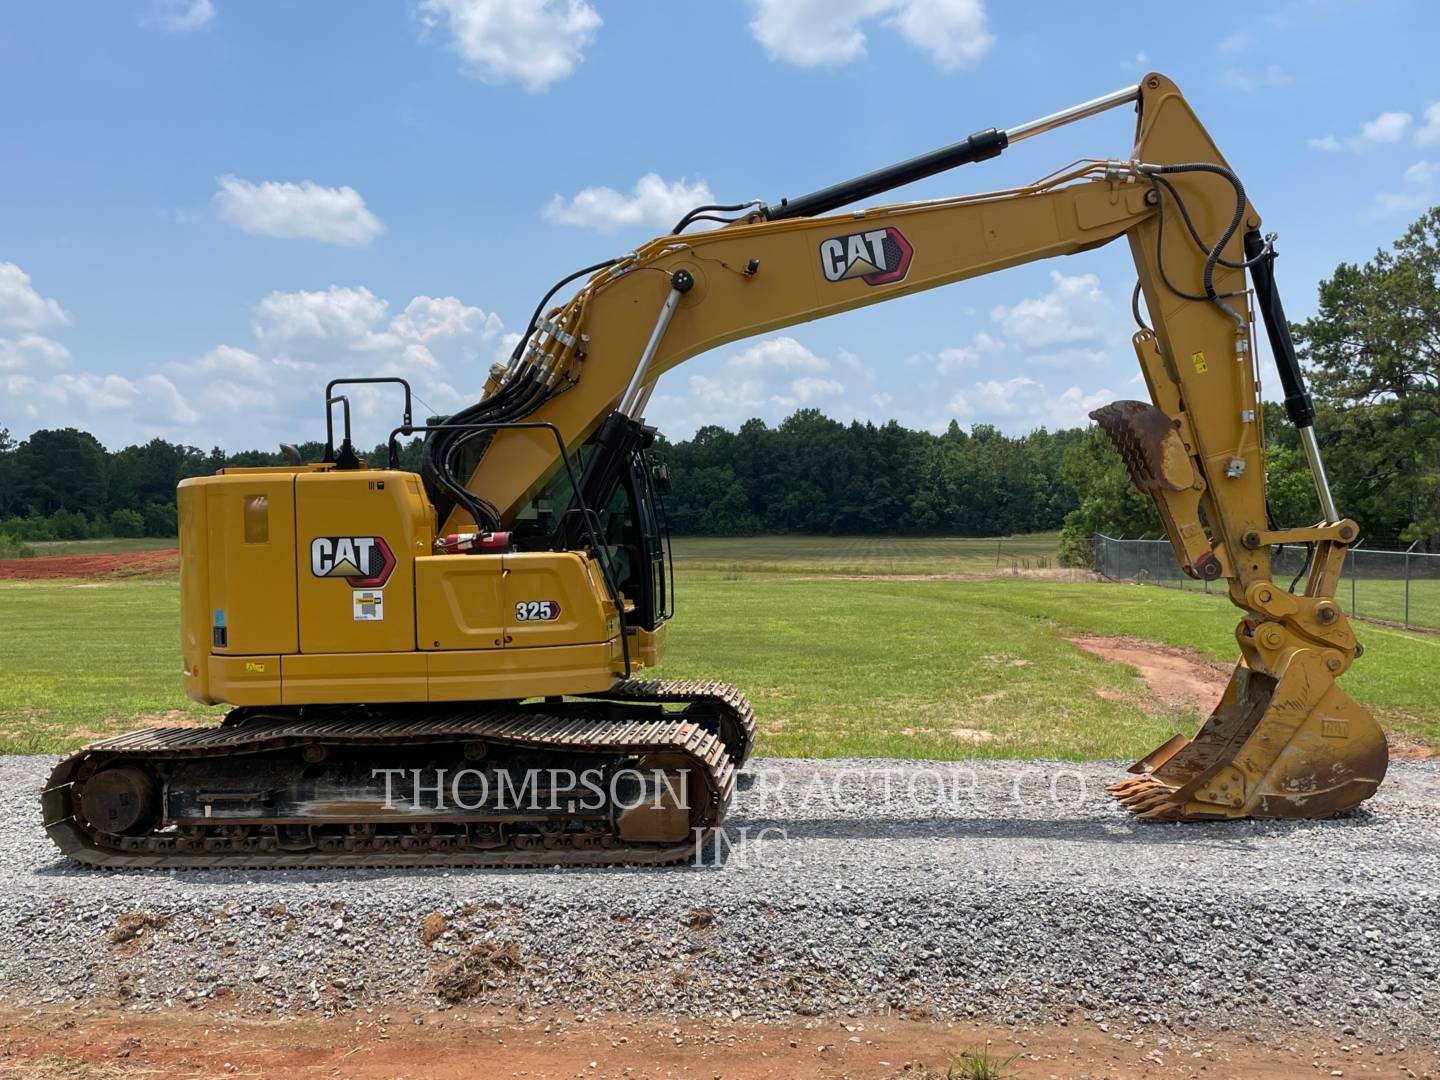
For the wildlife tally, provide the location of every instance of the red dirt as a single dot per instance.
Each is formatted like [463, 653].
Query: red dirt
[127, 563]
[89, 1041]
[1176, 678]
[1180, 679]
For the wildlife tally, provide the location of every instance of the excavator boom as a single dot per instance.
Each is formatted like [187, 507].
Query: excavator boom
[527, 568]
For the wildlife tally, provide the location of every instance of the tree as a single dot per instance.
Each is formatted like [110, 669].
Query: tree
[161, 519]
[62, 469]
[1109, 503]
[1374, 352]
[9, 501]
[127, 522]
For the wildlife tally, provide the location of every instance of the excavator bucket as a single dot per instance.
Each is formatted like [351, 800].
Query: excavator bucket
[1292, 746]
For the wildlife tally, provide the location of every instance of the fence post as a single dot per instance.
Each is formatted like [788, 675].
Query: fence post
[1407, 583]
[1351, 555]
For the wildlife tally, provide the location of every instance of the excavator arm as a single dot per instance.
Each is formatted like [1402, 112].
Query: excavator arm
[1284, 741]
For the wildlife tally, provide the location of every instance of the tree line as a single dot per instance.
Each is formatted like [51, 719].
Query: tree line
[1372, 351]
[812, 474]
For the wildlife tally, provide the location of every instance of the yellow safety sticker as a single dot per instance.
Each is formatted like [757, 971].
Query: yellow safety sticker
[1198, 359]
[252, 668]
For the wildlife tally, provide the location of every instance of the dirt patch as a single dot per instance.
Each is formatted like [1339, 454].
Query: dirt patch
[700, 918]
[1177, 679]
[1405, 747]
[485, 968]
[89, 1042]
[133, 930]
[116, 564]
[970, 735]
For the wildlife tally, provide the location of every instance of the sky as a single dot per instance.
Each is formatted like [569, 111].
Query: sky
[208, 208]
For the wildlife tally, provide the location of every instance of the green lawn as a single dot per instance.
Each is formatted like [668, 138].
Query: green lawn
[99, 547]
[839, 660]
[1374, 598]
[83, 659]
[863, 555]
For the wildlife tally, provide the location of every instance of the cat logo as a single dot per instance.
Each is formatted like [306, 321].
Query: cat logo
[364, 561]
[876, 257]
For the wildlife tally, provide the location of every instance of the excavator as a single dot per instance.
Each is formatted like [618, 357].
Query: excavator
[443, 668]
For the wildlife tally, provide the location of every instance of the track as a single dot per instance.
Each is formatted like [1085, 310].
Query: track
[298, 790]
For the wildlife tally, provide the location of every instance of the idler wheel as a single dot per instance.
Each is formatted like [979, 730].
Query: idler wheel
[119, 800]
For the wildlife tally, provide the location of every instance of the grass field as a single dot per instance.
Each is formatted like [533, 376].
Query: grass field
[838, 659]
[99, 547]
[1375, 598]
[863, 556]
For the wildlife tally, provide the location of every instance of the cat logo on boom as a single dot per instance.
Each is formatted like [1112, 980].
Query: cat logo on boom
[364, 561]
[876, 257]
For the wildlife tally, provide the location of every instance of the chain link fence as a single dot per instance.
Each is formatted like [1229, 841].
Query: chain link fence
[1400, 587]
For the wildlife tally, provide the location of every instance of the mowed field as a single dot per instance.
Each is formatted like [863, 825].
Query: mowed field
[944, 649]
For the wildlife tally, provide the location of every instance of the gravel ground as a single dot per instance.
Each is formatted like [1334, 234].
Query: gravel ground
[1006, 891]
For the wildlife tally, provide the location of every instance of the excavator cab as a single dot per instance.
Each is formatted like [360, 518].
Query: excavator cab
[620, 503]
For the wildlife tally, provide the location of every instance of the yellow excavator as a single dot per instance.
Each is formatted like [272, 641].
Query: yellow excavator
[441, 669]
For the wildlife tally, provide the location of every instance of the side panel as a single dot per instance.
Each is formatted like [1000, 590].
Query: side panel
[245, 680]
[520, 673]
[458, 603]
[347, 517]
[250, 564]
[195, 591]
[357, 677]
[553, 598]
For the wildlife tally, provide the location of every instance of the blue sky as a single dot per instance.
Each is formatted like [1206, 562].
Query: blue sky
[210, 207]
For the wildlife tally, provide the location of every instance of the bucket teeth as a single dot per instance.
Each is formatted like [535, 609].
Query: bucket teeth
[1149, 443]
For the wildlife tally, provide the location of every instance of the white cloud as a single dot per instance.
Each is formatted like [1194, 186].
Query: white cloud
[951, 32]
[1429, 132]
[297, 211]
[345, 318]
[19, 354]
[1241, 41]
[828, 33]
[91, 396]
[778, 354]
[948, 360]
[769, 379]
[21, 307]
[1027, 401]
[808, 388]
[1387, 128]
[1073, 312]
[182, 16]
[532, 42]
[1421, 191]
[426, 318]
[1250, 80]
[955, 357]
[337, 314]
[253, 396]
[653, 203]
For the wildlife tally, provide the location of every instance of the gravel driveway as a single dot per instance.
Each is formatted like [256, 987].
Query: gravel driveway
[1006, 891]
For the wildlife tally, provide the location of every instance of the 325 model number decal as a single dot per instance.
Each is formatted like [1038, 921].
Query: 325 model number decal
[537, 611]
